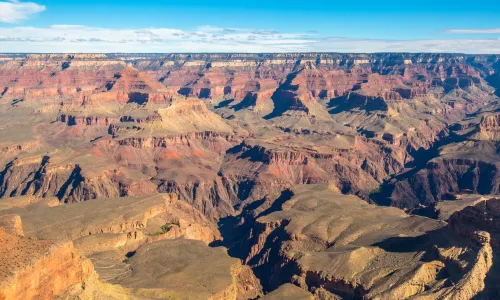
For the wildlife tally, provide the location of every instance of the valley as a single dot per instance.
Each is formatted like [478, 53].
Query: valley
[250, 176]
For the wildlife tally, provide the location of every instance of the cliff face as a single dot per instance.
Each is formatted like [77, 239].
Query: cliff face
[371, 114]
[354, 166]
[489, 128]
[32, 269]
[441, 178]
[338, 246]
[475, 220]
[122, 238]
[467, 162]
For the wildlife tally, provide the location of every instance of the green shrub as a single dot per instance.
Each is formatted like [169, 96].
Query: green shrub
[165, 228]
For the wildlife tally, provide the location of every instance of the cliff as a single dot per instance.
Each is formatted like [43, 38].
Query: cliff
[35, 269]
[338, 246]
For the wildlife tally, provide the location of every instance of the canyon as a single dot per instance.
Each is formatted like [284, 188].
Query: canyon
[249, 176]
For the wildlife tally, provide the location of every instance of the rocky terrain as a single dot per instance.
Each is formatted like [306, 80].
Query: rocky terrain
[245, 176]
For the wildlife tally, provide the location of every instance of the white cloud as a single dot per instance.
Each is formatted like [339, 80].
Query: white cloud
[14, 11]
[77, 38]
[474, 31]
[209, 28]
[470, 46]
[63, 26]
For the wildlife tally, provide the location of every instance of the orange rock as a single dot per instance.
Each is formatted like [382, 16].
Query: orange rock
[12, 224]
[33, 269]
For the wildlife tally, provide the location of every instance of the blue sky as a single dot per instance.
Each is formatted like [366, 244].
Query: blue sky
[249, 26]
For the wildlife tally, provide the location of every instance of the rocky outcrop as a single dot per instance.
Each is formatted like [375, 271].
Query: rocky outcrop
[71, 120]
[473, 282]
[12, 224]
[305, 239]
[191, 270]
[468, 167]
[289, 291]
[334, 252]
[479, 225]
[69, 183]
[111, 224]
[355, 168]
[480, 222]
[91, 217]
[489, 128]
[34, 269]
[208, 137]
[449, 176]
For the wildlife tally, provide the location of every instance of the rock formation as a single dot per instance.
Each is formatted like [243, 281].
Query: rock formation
[327, 175]
[33, 269]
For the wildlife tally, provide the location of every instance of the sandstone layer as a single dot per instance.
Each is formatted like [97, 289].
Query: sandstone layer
[32, 269]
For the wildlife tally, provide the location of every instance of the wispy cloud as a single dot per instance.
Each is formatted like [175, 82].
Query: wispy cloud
[78, 38]
[63, 26]
[71, 38]
[14, 11]
[474, 31]
[472, 46]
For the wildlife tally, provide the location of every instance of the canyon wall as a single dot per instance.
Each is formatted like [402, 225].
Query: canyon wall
[305, 166]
